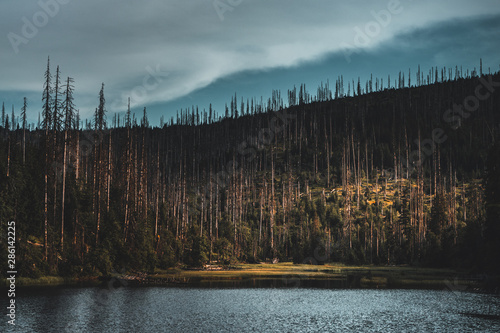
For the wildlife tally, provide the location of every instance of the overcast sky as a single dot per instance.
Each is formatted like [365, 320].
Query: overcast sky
[168, 54]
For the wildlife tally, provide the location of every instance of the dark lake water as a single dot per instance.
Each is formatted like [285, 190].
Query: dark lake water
[161, 309]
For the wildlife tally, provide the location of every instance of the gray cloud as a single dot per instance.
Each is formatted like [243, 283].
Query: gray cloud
[118, 41]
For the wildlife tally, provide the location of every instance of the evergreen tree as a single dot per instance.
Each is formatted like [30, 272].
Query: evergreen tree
[47, 99]
[23, 113]
[128, 116]
[144, 120]
[13, 119]
[56, 107]
[100, 112]
[23, 119]
[3, 116]
[46, 122]
[69, 106]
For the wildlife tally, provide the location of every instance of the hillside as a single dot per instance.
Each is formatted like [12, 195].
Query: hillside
[393, 176]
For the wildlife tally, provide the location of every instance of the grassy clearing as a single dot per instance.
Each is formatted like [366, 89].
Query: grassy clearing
[47, 281]
[344, 276]
[354, 276]
[41, 281]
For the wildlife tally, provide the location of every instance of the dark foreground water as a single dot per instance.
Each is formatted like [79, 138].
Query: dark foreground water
[160, 309]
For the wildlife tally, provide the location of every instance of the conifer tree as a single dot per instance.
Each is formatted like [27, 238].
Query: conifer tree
[3, 115]
[46, 123]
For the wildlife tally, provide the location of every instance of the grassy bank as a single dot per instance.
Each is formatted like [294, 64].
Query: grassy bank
[290, 275]
[45, 281]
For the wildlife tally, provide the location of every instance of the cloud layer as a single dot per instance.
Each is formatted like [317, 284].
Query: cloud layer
[191, 44]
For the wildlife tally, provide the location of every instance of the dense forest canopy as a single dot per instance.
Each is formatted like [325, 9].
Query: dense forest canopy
[396, 173]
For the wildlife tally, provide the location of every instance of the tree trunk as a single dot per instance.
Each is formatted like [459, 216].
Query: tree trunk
[63, 189]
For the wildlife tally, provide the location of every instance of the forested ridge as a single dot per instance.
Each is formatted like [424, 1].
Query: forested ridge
[407, 173]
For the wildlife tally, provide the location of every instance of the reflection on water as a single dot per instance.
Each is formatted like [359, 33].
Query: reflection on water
[159, 309]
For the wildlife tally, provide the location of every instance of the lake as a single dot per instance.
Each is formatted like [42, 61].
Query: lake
[163, 309]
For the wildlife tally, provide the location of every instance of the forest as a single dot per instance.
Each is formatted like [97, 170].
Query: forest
[387, 173]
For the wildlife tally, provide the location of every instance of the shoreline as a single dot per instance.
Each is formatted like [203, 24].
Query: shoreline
[286, 275]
